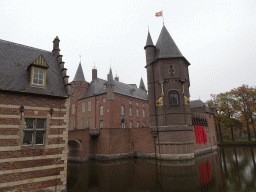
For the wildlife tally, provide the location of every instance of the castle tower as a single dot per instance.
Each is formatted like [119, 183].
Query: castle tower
[142, 85]
[110, 86]
[168, 94]
[78, 87]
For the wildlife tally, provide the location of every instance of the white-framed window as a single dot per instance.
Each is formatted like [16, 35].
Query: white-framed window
[130, 124]
[137, 104]
[73, 124]
[144, 124]
[143, 112]
[122, 125]
[103, 100]
[89, 106]
[38, 77]
[83, 107]
[143, 105]
[34, 131]
[83, 124]
[101, 109]
[138, 124]
[73, 108]
[101, 124]
[97, 100]
[137, 112]
[89, 122]
[122, 109]
[130, 102]
[130, 111]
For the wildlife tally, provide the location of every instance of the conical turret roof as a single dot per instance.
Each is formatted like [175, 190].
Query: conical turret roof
[142, 85]
[110, 77]
[149, 40]
[165, 46]
[212, 105]
[79, 74]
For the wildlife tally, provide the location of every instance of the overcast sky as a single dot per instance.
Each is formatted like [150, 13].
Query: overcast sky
[218, 37]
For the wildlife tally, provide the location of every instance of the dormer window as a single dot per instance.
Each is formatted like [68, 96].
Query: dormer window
[38, 72]
[38, 76]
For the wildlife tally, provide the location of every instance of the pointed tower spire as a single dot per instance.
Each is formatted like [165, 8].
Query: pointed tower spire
[110, 77]
[142, 85]
[79, 74]
[165, 46]
[149, 41]
[212, 105]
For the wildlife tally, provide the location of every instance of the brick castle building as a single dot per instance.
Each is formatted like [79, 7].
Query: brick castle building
[34, 107]
[178, 129]
[107, 103]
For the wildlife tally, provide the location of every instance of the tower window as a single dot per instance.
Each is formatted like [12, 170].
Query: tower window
[173, 98]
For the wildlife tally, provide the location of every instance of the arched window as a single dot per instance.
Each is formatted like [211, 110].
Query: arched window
[173, 98]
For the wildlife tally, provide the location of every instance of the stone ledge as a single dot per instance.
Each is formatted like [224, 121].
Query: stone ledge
[206, 150]
[175, 143]
[176, 157]
[113, 156]
[172, 128]
[78, 159]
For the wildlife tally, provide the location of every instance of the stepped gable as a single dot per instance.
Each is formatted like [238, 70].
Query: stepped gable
[15, 76]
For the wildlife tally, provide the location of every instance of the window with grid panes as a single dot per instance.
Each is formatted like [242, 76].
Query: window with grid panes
[34, 131]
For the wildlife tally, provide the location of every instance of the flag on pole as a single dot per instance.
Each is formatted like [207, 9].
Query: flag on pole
[159, 14]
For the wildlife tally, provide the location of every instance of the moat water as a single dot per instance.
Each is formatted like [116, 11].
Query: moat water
[228, 169]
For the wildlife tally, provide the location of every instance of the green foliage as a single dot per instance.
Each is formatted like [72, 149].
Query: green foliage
[235, 109]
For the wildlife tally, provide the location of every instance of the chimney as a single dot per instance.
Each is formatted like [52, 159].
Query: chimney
[116, 78]
[56, 48]
[94, 74]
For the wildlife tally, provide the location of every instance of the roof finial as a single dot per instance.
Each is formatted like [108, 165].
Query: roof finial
[163, 17]
[80, 57]
[148, 28]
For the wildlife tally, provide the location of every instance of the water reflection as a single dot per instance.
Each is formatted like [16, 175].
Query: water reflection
[230, 169]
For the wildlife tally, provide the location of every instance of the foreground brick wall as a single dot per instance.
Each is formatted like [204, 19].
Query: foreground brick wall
[33, 167]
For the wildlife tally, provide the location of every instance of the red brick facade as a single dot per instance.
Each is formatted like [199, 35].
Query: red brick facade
[110, 103]
[35, 166]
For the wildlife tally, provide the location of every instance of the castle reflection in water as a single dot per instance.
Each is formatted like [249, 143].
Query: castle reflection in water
[229, 169]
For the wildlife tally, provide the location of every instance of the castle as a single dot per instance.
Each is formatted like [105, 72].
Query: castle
[44, 120]
[178, 129]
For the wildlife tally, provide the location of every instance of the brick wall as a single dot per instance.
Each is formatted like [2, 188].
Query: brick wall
[111, 111]
[35, 166]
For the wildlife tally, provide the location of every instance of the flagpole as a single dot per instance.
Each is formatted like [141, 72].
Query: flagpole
[163, 17]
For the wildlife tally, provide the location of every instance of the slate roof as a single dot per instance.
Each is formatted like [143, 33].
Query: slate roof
[79, 74]
[212, 105]
[165, 46]
[98, 86]
[149, 40]
[199, 103]
[142, 85]
[110, 77]
[14, 76]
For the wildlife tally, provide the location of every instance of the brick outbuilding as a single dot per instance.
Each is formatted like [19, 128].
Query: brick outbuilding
[34, 107]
